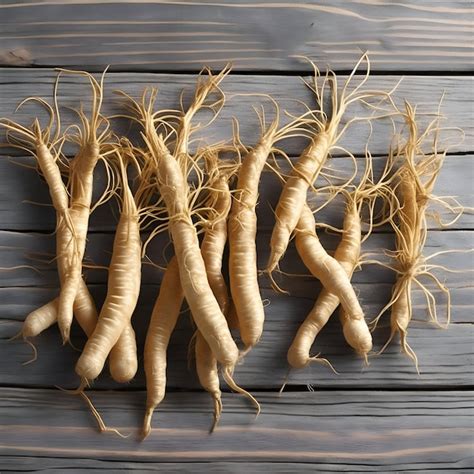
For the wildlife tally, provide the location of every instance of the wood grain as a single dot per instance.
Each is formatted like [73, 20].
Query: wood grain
[17, 84]
[333, 430]
[254, 35]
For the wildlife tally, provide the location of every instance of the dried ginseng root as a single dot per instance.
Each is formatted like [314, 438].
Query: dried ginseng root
[416, 178]
[348, 253]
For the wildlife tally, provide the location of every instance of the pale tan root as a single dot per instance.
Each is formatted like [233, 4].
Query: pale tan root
[313, 158]
[103, 428]
[293, 196]
[242, 227]
[416, 179]
[400, 317]
[299, 352]
[355, 330]
[40, 319]
[347, 254]
[123, 360]
[233, 386]
[215, 235]
[333, 277]
[123, 287]
[68, 257]
[174, 191]
[212, 250]
[48, 164]
[123, 357]
[163, 321]
[207, 371]
[81, 170]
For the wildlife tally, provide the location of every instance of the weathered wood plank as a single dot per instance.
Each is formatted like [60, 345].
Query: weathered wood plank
[359, 431]
[17, 84]
[21, 186]
[265, 367]
[84, 466]
[18, 248]
[182, 35]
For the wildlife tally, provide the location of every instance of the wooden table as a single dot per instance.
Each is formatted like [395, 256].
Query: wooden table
[379, 418]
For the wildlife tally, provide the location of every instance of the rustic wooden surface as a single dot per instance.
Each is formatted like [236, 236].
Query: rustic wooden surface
[425, 91]
[381, 418]
[336, 431]
[254, 35]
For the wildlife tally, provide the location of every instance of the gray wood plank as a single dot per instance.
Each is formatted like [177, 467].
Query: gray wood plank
[84, 466]
[334, 430]
[20, 187]
[184, 35]
[17, 84]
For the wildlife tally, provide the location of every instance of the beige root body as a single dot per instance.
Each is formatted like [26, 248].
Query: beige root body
[70, 252]
[347, 254]
[45, 316]
[40, 319]
[328, 133]
[52, 175]
[410, 241]
[401, 311]
[123, 360]
[202, 303]
[293, 196]
[333, 276]
[208, 374]
[123, 356]
[416, 178]
[123, 288]
[214, 241]
[163, 321]
[212, 249]
[71, 248]
[242, 228]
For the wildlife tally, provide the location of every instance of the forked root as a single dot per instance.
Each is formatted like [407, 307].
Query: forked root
[269, 273]
[103, 428]
[227, 374]
[405, 347]
[323, 361]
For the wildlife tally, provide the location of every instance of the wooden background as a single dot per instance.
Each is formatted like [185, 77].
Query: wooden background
[381, 418]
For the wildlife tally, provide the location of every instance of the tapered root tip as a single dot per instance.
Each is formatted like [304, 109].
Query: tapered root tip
[244, 352]
[217, 411]
[408, 350]
[146, 430]
[231, 383]
[65, 335]
[273, 260]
